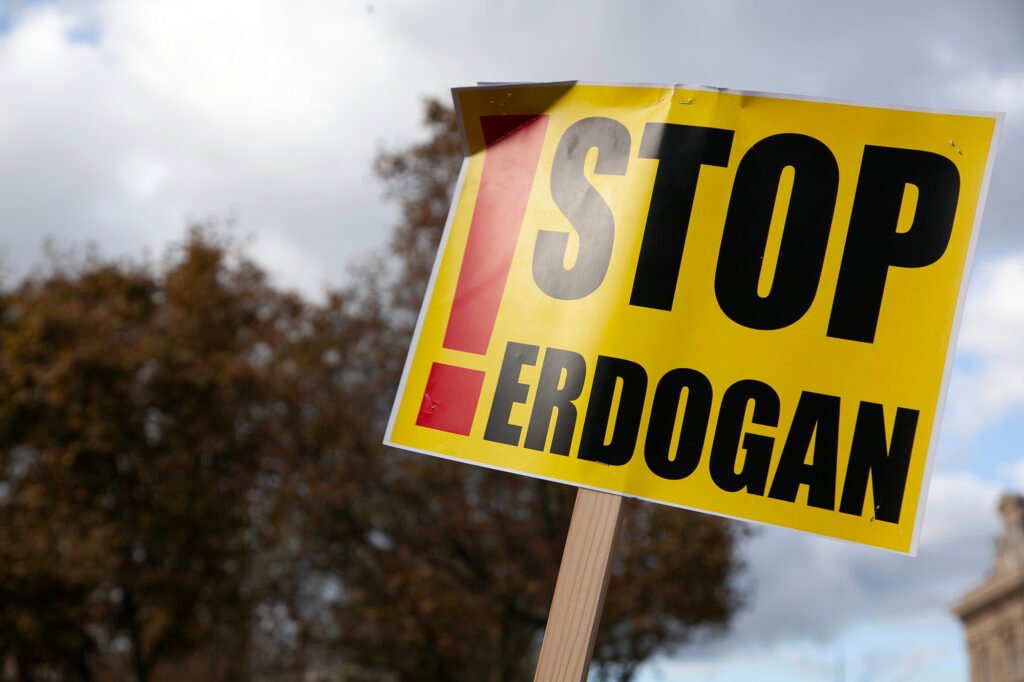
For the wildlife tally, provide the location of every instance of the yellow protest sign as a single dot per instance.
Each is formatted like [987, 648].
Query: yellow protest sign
[733, 302]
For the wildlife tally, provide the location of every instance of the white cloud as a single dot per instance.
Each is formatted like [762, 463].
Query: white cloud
[994, 323]
[904, 650]
[194, 110]
[1001, 91]
[988, 381]
[1016, 474]
[124, 118]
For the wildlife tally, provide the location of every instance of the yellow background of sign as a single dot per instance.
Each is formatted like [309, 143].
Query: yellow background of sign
[905, 366]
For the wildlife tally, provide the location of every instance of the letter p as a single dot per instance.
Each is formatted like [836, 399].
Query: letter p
[873, 244]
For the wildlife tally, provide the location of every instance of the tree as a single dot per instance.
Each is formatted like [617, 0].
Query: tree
[137, 416]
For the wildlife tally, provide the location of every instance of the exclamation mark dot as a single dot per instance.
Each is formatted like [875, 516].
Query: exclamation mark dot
[513, 145]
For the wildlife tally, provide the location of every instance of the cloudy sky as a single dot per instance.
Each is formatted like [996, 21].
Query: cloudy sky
[123, 120]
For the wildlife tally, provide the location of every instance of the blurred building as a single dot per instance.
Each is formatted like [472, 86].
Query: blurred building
[993, 612]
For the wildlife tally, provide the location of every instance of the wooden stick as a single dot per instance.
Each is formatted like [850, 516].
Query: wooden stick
[579, 593]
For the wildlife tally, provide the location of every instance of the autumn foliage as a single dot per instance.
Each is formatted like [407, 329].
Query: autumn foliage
[192, 484]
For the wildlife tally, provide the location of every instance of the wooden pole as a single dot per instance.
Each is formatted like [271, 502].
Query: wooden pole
[580, 590]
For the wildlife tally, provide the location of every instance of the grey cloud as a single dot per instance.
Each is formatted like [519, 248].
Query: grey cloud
[139, 95]
[812, 588]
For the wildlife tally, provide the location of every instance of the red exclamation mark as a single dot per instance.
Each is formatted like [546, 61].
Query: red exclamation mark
[513, 145]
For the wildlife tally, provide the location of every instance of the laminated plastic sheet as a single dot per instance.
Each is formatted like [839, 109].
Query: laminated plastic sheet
[735, 302]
